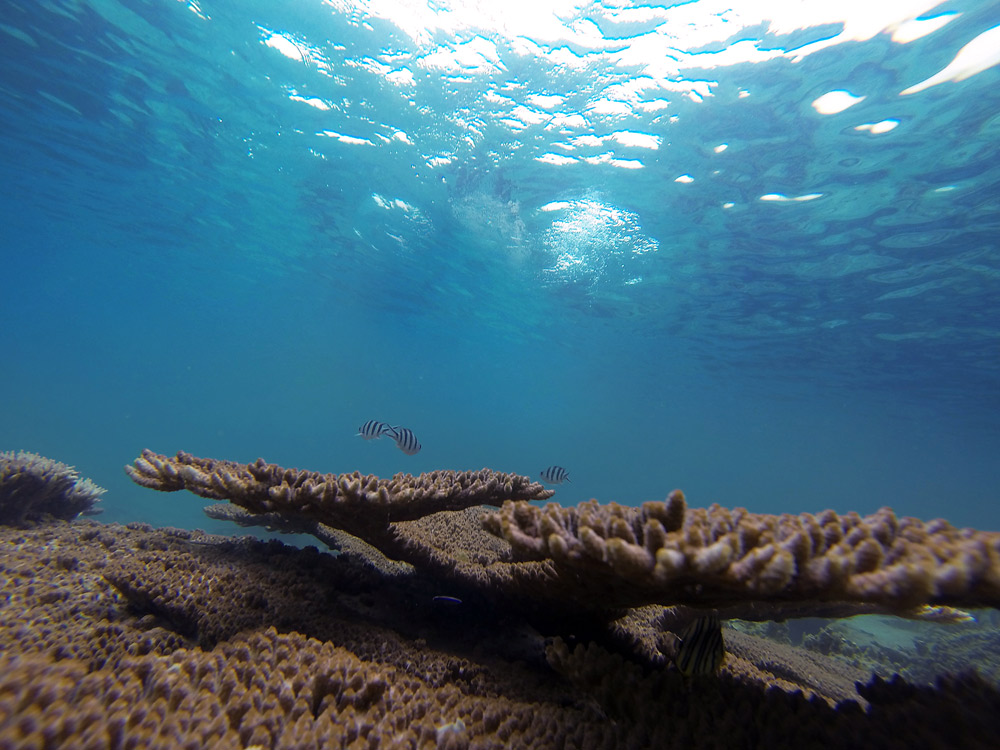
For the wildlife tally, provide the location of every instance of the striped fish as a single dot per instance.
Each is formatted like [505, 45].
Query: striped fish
[374, 429]
[700, 650]
[555, 475]
[406, 441]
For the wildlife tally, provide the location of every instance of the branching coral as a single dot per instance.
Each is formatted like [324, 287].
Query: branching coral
[665, 552]
[33, 487]
[609, 557]
[431, 520]
[361, 505]
[166, 638]
[299, 649]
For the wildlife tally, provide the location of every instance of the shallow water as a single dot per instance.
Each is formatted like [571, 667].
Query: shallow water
[244, 230]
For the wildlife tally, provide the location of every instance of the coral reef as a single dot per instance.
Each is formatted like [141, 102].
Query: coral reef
[609, 557]
[432, 521]
[135, 637]
[437, 622]
[33, 487]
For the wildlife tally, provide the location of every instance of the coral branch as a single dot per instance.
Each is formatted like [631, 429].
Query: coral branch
[667, 553]
[363, 505]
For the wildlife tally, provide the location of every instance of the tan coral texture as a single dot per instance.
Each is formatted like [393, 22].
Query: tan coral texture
[359, 504]
[605, 557]
[122, 638]
[665, 552]
[262, 690]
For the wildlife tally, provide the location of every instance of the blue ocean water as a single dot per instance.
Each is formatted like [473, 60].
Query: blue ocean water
[650, 244]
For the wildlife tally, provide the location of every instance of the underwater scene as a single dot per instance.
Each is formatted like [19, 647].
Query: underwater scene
[463, 374]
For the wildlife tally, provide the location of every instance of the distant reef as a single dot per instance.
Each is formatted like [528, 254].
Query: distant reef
[33, 487]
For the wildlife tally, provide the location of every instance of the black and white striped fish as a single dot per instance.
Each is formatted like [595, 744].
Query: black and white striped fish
[374, 429]
[700, 650]
[406, 441]
[555, 475]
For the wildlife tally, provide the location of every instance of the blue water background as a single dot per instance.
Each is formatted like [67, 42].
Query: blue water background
[187, 265]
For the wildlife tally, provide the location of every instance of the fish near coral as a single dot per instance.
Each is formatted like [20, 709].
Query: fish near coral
[406, 441]
[699, 649]
[555, 475]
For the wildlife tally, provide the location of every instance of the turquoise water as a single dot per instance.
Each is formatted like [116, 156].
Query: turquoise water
[244, 229]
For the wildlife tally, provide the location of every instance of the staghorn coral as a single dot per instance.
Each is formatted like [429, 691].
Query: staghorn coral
[89, 591]
[194, 588]
[754, 659]
[758, 566]
[33, 487]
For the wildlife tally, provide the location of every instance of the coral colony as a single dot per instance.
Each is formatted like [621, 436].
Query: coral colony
[433, 621]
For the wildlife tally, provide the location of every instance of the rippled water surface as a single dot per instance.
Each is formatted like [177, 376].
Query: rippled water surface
[750, 253]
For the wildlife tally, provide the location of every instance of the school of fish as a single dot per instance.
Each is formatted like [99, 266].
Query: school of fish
[406, 441]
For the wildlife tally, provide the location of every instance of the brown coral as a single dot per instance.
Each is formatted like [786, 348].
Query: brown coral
[430, 520]
[299, 649]
[362, 505]
[33, 487]
[716, 557]
[56, 602]
[607, 557]
[261, 690]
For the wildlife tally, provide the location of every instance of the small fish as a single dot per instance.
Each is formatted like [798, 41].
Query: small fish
[374, 429]
[442, 599]
[555, 475]
[700, 650]
[406, 441]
